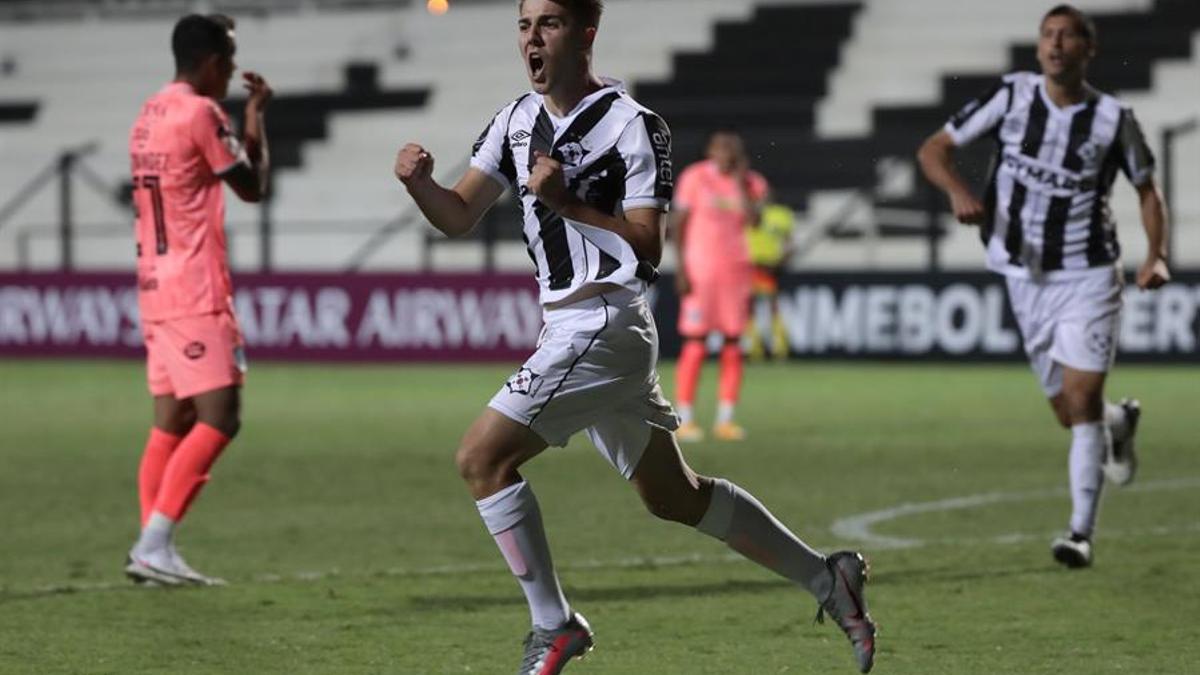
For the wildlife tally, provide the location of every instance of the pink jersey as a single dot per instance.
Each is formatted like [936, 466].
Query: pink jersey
[715, 239]
[180, 145]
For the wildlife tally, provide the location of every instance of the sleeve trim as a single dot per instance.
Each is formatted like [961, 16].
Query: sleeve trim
[646, 203]
[494, 174]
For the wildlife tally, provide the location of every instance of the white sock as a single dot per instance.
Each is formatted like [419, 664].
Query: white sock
[515, 521]
[1090, 442]
[735, 517]
[1114, 419]
[725, 412]
[685, 413]
[156, 535]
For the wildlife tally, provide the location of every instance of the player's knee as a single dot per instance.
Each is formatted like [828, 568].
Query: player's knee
[228, 422]
[475, 464]
[665, 510]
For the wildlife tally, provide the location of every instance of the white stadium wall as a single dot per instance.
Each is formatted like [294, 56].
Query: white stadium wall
[90, 77]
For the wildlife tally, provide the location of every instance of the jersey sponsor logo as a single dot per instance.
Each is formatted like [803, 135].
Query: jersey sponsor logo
[1036, 175]
[519, 139]
[194, 350]
[148, 162]
[524, 382]
[660, 138]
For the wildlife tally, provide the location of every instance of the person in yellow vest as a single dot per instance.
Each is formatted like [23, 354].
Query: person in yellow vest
[769, 243]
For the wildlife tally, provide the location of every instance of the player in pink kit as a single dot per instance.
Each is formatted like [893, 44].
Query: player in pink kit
[717, 199]
[181, 149]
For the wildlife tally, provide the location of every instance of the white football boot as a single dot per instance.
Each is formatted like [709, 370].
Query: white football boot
[1120, 464]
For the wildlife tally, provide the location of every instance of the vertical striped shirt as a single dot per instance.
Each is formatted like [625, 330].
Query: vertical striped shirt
[1047, 195]
[616, 156]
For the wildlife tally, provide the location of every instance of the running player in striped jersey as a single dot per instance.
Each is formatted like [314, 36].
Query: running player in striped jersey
[181, 150]
[592, 169]
[1046, 225]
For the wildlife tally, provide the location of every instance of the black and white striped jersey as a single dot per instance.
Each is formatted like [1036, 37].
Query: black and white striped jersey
[616, 157]
[1047, 196]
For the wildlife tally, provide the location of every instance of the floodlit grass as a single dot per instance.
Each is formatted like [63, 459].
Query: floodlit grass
[353, 548]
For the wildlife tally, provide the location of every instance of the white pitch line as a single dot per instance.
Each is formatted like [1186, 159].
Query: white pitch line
[855, 529]
[860, 527]
[497, 566]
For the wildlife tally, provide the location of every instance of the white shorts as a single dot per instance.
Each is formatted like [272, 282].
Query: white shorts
[593, 370]
[1073, 323]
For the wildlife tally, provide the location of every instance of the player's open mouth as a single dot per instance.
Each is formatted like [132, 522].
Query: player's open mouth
[536, 66]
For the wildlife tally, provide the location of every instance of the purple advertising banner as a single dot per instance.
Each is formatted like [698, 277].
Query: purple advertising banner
[327, 317]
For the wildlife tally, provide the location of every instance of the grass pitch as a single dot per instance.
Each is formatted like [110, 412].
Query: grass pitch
[352, 547]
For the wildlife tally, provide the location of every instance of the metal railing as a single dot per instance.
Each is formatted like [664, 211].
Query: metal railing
[1170, 134]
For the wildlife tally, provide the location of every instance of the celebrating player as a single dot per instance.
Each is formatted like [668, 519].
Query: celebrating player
[181, 148]
[1047, 227]
[593, 171]
[717, 200]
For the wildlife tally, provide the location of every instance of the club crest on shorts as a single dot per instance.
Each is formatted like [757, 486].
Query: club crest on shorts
[524, 382]
[1099, 343]
[194, 350]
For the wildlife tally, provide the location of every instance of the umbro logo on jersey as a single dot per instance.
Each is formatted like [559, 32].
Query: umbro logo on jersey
[519, 139]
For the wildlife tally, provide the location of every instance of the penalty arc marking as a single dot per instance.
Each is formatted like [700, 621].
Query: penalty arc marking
[860, 528]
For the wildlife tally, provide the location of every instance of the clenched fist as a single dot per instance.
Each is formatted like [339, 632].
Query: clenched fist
[546, 181]
[413, 165]
[1153, 273]
[967, 209]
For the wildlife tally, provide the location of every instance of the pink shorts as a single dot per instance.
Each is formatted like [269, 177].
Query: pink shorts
[193, 354]
[721, 305]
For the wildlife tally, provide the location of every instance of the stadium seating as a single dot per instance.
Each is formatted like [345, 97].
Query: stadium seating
[875, 88]
[89, 78]
[833, 96]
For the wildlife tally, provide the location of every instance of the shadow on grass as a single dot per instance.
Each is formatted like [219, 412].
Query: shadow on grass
[603, 594]
[918, 576]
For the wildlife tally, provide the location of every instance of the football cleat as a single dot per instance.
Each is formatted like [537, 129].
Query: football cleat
[548, 651]
[153, 569]
[164, 567]
[1073, 551]
[1120, 465]
[847, 605]
[729, 431]
[689, 432]
[194, 577]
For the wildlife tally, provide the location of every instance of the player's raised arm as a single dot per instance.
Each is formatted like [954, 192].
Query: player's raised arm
[250, 180]
[453, 211]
